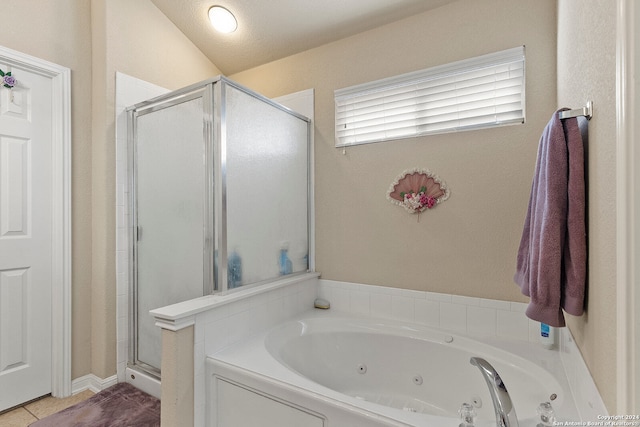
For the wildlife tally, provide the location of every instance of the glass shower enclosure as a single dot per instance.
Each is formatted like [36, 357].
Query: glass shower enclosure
[218, 200]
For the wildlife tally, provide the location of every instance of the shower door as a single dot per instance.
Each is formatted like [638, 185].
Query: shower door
[171, 222]
[219, 199]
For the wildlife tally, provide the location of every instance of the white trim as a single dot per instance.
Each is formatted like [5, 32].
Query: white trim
[177, 324]
[93, 383]
[627, 235]
[178, 316]
[61, 212]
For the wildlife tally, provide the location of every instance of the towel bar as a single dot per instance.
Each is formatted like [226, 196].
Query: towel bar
[584, 111]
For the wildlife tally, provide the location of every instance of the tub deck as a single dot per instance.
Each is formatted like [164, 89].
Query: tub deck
[259, 367]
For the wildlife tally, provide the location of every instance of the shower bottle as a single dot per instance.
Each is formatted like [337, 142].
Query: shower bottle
[547, 335]
[284, 262]
[234, 271]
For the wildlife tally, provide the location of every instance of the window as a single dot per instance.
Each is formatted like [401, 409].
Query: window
[474, 93]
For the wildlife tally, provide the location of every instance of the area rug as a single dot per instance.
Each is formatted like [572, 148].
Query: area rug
[121, 405]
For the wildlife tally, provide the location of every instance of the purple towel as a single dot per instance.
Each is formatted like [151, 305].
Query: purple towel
[552, 258]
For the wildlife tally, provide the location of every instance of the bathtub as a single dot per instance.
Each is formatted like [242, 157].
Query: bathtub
[325, 369]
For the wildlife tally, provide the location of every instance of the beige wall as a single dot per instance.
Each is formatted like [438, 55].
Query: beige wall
[60, 32]
[177, 377]
[587, 70]
[468, 244]
[144, 44]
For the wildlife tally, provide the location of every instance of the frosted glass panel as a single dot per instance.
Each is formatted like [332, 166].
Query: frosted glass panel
[170, 211]
[267, 187]
[219, 192]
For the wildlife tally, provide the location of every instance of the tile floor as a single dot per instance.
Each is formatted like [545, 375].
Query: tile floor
[32, 412]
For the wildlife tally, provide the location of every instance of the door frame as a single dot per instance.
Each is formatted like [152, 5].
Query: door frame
[60, 211]
[628, 207]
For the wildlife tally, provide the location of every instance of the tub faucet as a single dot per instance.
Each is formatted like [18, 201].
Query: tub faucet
[505, 412]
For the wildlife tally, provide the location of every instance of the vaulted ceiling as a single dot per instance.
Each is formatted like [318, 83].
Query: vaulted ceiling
[272, 29]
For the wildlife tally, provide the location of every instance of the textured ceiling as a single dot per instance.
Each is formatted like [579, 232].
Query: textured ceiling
[272, 29]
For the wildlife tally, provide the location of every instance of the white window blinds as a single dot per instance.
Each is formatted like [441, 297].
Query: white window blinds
[474, 93]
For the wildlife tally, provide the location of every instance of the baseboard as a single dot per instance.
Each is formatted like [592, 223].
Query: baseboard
[93, 383]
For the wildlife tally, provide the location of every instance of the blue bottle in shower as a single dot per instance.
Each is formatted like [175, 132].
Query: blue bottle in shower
[284, 262]
[234, 272]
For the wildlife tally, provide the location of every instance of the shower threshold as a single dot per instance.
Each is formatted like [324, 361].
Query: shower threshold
[143, 381]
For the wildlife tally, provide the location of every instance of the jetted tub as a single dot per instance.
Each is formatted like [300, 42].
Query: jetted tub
[389, 373]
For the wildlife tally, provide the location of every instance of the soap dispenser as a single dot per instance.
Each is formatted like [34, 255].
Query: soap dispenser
[284, 262]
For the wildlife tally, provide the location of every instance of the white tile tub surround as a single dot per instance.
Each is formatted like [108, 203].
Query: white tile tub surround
[584, 391]
[222, 320]
[473, 317]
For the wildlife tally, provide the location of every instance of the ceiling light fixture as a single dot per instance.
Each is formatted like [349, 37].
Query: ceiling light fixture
[222, 20]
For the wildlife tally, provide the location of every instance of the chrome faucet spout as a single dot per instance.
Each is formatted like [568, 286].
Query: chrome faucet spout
[505, 412]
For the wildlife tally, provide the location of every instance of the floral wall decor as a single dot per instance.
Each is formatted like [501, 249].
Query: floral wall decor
[417, 190]
[7, 80]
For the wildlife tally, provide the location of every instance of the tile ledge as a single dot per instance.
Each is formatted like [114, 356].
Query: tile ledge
[179, 312]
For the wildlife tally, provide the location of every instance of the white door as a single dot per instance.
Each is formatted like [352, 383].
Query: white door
[26, 129]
